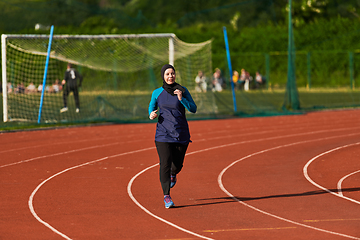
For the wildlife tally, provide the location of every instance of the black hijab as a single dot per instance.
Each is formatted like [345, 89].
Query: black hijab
[170, 88]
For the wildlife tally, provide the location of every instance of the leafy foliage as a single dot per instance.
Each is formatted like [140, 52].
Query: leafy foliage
[254, 26]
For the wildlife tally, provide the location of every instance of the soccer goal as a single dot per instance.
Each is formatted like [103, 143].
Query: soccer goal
[119, 73]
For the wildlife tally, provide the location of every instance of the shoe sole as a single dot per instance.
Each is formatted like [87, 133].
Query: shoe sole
[171, 206]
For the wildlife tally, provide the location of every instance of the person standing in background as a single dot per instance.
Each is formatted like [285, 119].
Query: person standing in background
[71, 82]
[168, 103]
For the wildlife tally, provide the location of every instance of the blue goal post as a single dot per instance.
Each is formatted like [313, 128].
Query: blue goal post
[45, 72]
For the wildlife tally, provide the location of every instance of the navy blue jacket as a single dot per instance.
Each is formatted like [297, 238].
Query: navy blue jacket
[73, 78]
[172, 125]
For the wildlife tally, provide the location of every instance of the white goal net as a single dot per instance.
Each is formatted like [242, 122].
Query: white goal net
[119, 73]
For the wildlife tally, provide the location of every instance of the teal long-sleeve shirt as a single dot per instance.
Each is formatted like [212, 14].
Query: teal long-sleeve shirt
[172, 125]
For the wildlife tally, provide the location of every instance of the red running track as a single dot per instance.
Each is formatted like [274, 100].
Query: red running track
[285, 177]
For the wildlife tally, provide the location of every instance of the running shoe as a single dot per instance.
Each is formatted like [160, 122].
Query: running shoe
[168, 202]
[173, 181]
[64, 109]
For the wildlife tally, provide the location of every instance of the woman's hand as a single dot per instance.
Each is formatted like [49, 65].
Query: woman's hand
[178, 93]
[153, 115]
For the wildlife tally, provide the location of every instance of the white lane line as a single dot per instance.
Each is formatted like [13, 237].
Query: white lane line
[305, 171]
[198, 140]
[267, 213]
[251, 132]
[341, 181]
[153, 215]
[41, 145]
[278, 137]
[58, 154]
[220, 176]
[31, 198]
[68, 169]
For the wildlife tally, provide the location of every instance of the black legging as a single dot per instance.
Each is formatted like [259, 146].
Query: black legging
[75, 91]
[171, 157]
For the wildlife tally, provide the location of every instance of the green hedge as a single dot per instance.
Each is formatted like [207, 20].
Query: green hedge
[248, 46]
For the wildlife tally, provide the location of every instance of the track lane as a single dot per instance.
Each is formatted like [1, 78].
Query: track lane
[197, 206]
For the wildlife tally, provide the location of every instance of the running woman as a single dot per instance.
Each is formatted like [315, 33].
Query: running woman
[168, 103]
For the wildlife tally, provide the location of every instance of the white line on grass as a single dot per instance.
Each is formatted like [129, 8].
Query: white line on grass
[267, 213]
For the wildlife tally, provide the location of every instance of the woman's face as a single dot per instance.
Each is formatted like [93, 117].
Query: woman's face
[169, 76]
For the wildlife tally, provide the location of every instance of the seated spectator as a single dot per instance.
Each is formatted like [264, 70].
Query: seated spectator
[49, 89]
[9, 87]
[57, 87]
[242, 78]
[217, 81]
[20, 88]
[31, 88]
[200, 81]
[40, 87]
[236, 79]
[245, 79]
[248, 79]
[259, 80]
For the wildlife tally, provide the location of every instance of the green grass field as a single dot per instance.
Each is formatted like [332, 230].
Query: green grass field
[125, 107]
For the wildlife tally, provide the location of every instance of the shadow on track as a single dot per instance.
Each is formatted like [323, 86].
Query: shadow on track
[211, 201]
